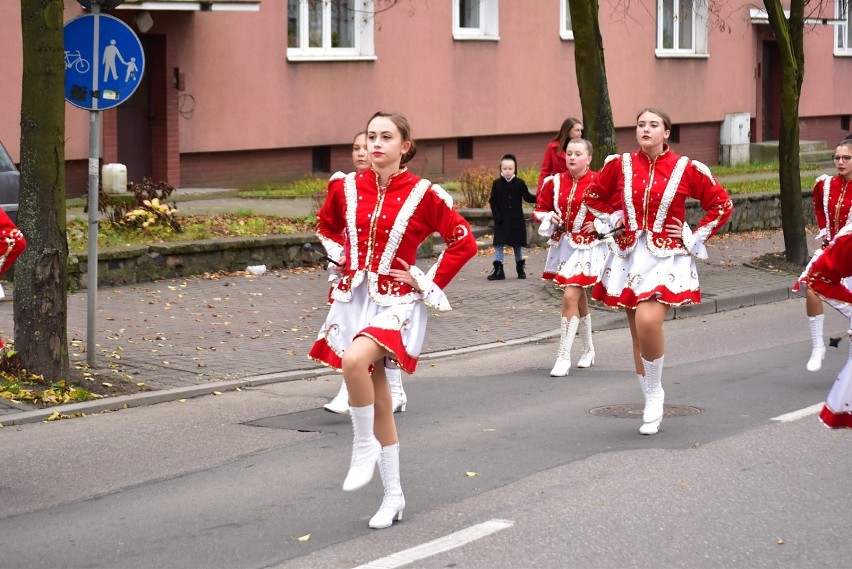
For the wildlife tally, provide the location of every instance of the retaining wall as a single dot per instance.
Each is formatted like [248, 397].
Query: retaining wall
[144, 263]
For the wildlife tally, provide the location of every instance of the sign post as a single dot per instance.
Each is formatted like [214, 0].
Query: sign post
[104, 62]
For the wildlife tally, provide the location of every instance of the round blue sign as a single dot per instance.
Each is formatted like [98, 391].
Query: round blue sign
[104, 62]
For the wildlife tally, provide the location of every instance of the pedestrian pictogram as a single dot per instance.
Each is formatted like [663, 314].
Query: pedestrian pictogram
[104, 62]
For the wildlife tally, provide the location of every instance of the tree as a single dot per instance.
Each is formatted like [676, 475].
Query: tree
[789, 35]
[591, 79]
[40, 308]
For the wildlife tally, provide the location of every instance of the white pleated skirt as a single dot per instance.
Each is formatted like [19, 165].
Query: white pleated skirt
[567, 265]
[639, 276]
[400, 329]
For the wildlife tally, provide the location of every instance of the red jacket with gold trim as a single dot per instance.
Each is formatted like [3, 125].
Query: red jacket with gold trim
[655, 195]
[367, 228]
[563, 195]
[832, 205]
[826, 273]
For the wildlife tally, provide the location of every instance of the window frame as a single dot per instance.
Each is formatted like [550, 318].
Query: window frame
[843, 27]
[700, 32]
[363, 34]
[489, 22]
[565, 32]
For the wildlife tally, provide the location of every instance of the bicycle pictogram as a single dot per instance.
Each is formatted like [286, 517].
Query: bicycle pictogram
[75, 59]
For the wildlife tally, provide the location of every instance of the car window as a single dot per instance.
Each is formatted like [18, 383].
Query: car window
[6, 164]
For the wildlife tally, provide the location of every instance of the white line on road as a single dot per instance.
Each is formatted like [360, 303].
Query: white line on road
[440, 545]
[796, 415]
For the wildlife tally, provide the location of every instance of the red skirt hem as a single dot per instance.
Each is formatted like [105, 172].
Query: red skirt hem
[629, 299]
[835, 420]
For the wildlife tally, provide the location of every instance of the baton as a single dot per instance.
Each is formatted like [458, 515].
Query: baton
[602, 236]
[308, 248]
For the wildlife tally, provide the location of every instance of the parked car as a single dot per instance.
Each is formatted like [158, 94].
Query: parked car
[10, 185]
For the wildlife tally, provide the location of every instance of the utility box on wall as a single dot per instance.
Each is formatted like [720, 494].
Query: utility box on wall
[734, 139]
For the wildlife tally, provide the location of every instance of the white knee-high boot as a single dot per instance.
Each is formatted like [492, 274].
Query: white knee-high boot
[365, 448]
[393, 501]
[394, 375]
[588, 357]
[815, 324]
[340, 403]
[567, 330]
[652, 387]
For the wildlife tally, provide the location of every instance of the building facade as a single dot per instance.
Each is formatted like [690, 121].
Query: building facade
[238, 93]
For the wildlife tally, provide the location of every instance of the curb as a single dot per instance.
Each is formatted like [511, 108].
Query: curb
[617, 320]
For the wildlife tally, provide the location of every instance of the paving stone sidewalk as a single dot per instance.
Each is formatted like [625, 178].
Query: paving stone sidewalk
[185, 336]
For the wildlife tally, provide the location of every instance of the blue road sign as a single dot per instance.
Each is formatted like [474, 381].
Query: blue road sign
[104, 62]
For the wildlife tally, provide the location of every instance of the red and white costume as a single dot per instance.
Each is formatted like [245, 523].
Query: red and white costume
[644, 262]
[576, 256]
[368, 228]
[833, 210]
[827, 275]
[12, 244]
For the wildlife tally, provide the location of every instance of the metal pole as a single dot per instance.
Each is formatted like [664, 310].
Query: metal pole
[94, 178]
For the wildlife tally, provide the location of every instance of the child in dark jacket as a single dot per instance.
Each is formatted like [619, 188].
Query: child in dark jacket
[508, 192]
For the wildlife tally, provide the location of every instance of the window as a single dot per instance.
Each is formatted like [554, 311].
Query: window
[475, 20]
[566, 30]
[843, 35]
[328, 30]
[321, 159]
[465, 148]
[681, 28]
[674, 134]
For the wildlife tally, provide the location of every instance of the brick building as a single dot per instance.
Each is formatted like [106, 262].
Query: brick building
[240, 92]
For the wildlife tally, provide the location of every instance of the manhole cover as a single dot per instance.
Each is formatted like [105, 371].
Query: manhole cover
[634, 410]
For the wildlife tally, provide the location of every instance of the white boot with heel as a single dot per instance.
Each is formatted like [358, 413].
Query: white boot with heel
[393, 502]
[366, 448]
[652, 387]
[567, 329]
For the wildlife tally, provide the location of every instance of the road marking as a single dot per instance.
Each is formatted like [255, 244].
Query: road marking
[796, 415]
[440, 545]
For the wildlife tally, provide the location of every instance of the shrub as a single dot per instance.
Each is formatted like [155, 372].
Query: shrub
[475, 186]
[146, 209]
[530, 176]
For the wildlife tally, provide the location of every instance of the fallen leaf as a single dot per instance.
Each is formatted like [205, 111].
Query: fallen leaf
[106, 384]
[217, 393]
[471, 474]
[304, 537]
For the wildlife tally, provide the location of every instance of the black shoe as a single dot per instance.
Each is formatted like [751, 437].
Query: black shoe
[519, 265]
[497, 273]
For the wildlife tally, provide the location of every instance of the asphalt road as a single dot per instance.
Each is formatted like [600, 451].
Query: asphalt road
[235, 480]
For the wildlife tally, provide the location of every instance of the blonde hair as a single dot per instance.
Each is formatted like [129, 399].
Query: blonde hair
[587, 143]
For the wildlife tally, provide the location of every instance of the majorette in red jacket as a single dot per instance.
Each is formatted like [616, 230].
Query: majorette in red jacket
[832, 205]
[655, 195]
[367, 228]
[563, 195]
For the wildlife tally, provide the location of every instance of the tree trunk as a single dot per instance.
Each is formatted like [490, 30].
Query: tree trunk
[591, 80]
[40, 307]
[789, 38]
